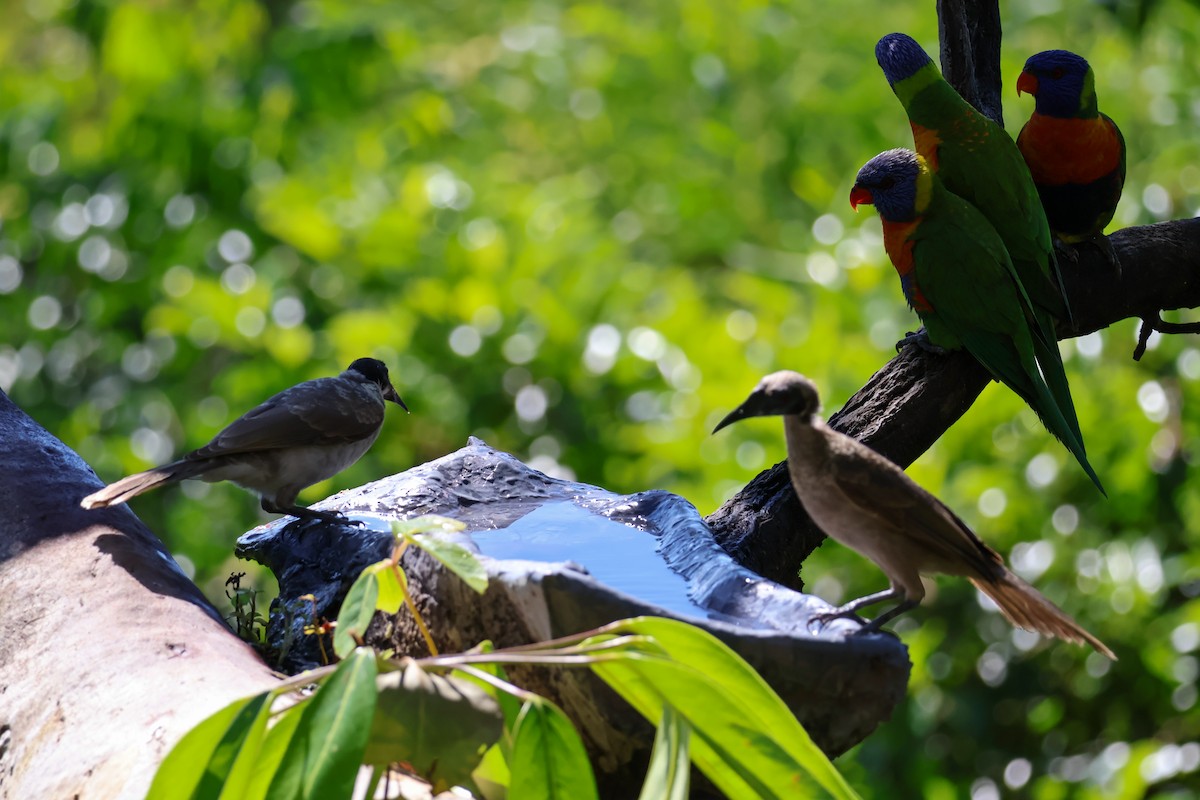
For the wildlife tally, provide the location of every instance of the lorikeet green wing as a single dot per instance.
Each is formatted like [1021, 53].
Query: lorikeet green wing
[978, 161]
[1075, 153]
[958, 277]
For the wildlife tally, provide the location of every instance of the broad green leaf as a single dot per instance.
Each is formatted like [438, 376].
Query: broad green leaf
[358, 608]
[185, 770]
[548, 761]
[270, 755]
[745, 738]
[454, 557]
[392, 583]
[669, 772]
[325, 752]
[492, 776]
[247, 760]
[439, 725]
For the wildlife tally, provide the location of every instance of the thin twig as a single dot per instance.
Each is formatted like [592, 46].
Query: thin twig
[1155, 322]
[501, 684]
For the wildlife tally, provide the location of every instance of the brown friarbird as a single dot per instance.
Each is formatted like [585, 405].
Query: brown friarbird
[862, 500]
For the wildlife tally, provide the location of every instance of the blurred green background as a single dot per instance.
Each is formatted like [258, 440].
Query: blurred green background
[583, 232]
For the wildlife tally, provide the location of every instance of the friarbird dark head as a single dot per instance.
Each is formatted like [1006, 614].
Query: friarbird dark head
[782, 393]
[376, 372]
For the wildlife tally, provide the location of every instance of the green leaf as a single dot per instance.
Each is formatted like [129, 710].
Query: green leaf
[326, 750]
[248, 759]
[392, 583]
[270, 755]
[491, 778]
[439, 725]
[744, 737]
[669, 772]
[454, 557]
[548, 761]
[358, 608]
[197, 764]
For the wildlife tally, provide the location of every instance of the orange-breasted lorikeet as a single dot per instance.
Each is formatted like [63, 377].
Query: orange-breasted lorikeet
[1075, 153]
[977, 160]
[958, 276]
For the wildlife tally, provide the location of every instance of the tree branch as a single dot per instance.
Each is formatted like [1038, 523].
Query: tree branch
[1155, 322]
[108, 653]
[970, 35]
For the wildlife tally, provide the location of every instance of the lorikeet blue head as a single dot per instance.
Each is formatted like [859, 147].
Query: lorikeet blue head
[900, 57]
[890, 182]
[1061, 82]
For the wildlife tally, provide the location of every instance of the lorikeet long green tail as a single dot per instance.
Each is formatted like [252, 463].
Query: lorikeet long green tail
[959, 278]
[1075, 153]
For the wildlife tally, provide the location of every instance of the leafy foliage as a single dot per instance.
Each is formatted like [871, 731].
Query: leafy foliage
[445, 727]
[582, 231]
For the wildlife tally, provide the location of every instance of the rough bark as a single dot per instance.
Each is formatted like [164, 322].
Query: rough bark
[108, 653]
[970, 33]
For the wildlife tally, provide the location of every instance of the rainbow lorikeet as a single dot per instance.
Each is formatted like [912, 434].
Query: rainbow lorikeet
[1075, 153]
[958, 276]
[977, 160]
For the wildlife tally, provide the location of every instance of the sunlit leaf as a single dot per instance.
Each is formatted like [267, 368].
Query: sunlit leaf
[326, 749]
[454, 557]
[669, 773]
[248, 759]
[270, 755]
[358, 608]
[404, 528]
[547, 760]
[199, 763]
[392, 582]
[492, 776]
[744, 737]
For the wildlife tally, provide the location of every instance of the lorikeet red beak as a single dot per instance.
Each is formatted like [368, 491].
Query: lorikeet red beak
[1028, 83]
[860, 196]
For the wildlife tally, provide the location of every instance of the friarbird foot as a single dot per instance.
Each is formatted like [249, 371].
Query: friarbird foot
[823, 619]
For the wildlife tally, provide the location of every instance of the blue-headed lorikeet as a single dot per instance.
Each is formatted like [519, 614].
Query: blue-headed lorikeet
[977, 160]
[958, 276]
[1075, 153]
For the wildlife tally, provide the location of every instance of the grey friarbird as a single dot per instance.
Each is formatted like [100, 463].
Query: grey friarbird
[299, 437]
